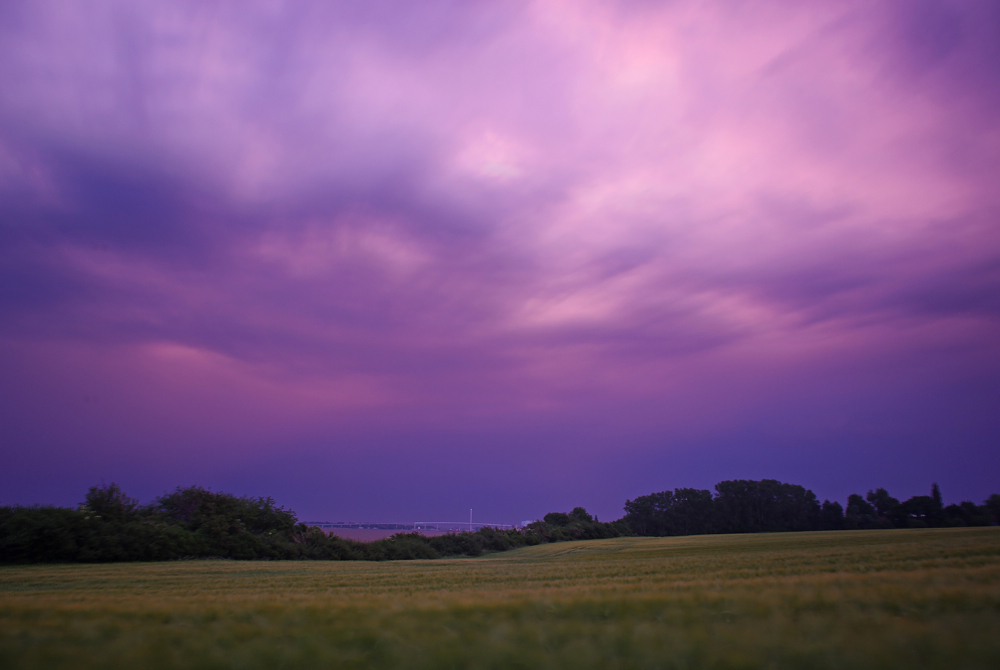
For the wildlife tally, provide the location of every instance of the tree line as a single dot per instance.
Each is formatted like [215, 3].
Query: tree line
[770, 506]
[193, 522]
[110, 526]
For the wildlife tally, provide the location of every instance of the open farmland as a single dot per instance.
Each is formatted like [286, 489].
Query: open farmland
[864, 599]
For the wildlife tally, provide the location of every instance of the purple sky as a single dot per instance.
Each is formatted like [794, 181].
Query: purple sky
[395, 260]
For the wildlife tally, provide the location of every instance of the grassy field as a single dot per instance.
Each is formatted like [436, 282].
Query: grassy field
[867, 599]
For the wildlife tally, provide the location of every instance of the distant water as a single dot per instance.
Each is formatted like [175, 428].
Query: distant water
[372, 534]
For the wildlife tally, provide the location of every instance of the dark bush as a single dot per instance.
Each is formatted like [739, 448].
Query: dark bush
[197, 523]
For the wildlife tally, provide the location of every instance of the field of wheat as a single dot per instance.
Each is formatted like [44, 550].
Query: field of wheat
[866, 599]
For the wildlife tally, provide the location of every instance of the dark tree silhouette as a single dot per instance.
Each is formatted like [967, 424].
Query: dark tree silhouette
[831, 516]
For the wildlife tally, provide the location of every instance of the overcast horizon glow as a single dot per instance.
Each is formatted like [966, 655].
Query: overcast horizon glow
[391, 261]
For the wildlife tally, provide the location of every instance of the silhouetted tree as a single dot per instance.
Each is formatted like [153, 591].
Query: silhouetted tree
[677, 512]
[887, 509]
[966, 514]
[560, 519]
[883, 503]
[110, 503]
[859, 513]
[922, 511]
[746, 506]
[692, 512]
[831, 516]
[647, 515]
[992, 505]
[919, 511]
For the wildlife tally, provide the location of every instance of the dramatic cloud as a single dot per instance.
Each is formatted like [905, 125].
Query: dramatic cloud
[393, 259]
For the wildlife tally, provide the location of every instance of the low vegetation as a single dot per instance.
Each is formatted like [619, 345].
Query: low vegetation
[110, 526]
[877, 599]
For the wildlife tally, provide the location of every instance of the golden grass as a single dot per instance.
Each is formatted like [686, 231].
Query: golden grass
[866, 599]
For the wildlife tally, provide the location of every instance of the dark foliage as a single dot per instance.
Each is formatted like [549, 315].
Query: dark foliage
[767, 506]
[677, 512]
[831, 516]
[743, 506]
[577, 525]
[966, 514]
[886, 507]
[859, 514]
[738, 506]
[196, 523]
[992, 506]
[111, 504]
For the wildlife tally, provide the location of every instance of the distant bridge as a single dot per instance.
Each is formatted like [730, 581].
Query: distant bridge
[412, 526]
